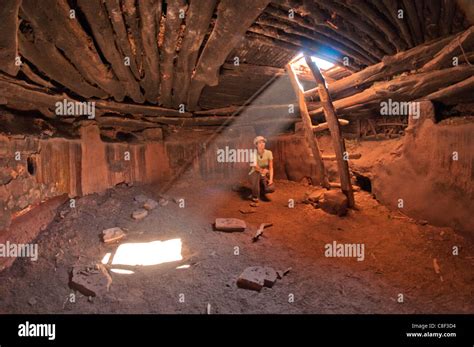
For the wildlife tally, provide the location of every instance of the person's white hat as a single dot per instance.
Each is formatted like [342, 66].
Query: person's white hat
[258, 139]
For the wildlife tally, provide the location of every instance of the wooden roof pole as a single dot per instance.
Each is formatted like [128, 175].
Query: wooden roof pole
[308, 128]
[334, 128]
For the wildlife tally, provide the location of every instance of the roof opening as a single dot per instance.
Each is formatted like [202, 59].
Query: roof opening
[300, 64]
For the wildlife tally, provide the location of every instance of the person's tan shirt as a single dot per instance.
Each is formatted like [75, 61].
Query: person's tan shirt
[263, 161]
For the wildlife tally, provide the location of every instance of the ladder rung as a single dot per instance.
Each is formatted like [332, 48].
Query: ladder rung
[333, 157]
[324, 126]
[294, 60]
[310, 92]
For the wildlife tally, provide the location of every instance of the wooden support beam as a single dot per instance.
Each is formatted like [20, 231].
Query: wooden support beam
[411, 59]
[364, 10]
[150, 15]
[393, 10]
[121, 35]
[325, 125]
[446, 19]
[413, 22]
[8, 36]
[432, 14]
[313, 35]
[103, 32]
[460, 92]
[444, 58]
[308, 129]
[233, 20]
[248, 109]
[47, 59]
[168, 49]
[360, 24]
[130, 15]
[150, 111]
[337, 139]
[69, 37]
[197, 23]
[34, 77]
[22, 96]
[323, 21]
[307, 45]
[407, 88]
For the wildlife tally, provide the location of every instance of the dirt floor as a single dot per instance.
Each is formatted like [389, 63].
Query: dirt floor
[399, 255]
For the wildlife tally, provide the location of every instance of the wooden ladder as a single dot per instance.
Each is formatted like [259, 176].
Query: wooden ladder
[332, 123]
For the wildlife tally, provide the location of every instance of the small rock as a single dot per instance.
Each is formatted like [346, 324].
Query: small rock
[141, 199]
[32, 302]
[163, 202]
[90, 281]
[139, 214]
[314, 196]
[112, 234]
[230, 224]
[63, 213]
[281, 273]
[334, 202]
[245, 211]
[257, 277]
[150, 204]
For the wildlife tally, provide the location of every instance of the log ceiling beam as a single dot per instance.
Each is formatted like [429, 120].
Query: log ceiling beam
[233, 20]
[197, 23]
[9, 38]
[172, 26]
[392, 8]
[69, 37]
[150, 17]
[103, 32]
[314, 36]
[49, 60]
[122, 41]
[328, 32]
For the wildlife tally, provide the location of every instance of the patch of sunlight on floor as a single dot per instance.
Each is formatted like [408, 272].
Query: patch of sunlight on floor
[149, 253]
[122, 271]
[106, 258]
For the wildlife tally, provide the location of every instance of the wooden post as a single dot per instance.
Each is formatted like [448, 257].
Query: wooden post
[333, 124]
[308, 128]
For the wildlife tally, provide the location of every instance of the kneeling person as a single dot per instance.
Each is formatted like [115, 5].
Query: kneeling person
[261, 173]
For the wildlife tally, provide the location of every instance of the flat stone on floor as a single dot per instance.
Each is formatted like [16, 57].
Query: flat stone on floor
[90, 280]
[257, 277]
[230, 224]
[334, 202]
[150, 204]
[141, 199]
[139, 214]
[112, 234]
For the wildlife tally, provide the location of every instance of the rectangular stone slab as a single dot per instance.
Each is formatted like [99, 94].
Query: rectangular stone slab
[230, 224]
